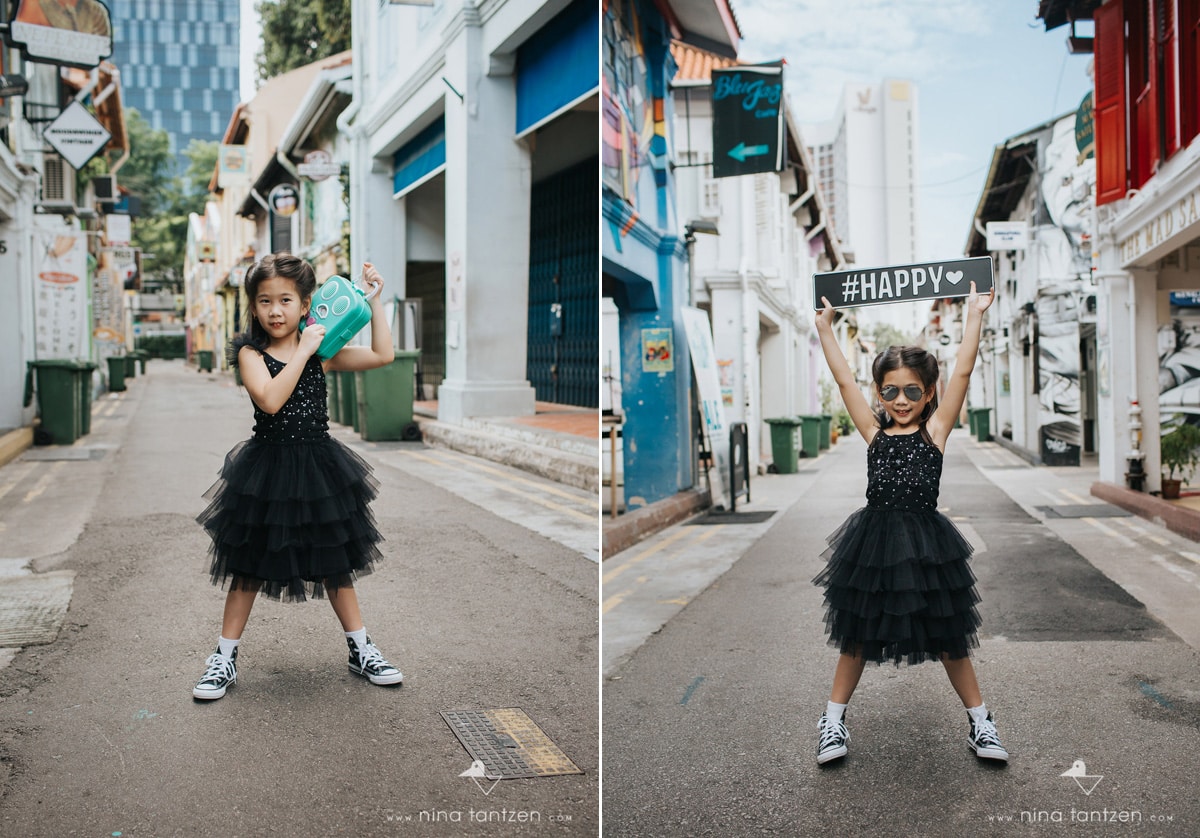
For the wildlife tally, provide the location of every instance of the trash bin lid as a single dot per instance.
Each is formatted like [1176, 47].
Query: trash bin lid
[69, 363]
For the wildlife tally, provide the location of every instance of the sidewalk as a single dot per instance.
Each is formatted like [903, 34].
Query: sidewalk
[559, 442]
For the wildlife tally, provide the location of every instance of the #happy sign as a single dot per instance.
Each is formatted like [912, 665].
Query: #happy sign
[903, 283]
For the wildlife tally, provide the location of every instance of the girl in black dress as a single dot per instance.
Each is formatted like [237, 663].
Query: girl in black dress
[897, 585]
[290, 514]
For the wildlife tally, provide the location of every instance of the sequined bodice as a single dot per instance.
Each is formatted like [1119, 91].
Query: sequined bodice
[303, 416]
[903, 472]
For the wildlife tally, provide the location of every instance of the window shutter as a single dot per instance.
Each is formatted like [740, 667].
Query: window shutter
[1168, 103]
[1111, 171]
[1188, 28]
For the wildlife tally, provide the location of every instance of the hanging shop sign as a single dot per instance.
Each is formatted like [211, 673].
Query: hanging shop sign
[747, 103]
[77, 135]
[77, 34]
[318, 165]
[1007, 235]
[284, 200]
[903, 283]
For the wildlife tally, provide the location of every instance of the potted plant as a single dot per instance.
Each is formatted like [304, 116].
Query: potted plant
[1179, 453]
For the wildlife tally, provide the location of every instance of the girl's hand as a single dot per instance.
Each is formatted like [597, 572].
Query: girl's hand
[980, 302]
[825, 315]
[373, 278]
[310, 339]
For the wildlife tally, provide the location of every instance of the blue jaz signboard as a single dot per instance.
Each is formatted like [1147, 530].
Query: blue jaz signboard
[903, 283]
[747, 104]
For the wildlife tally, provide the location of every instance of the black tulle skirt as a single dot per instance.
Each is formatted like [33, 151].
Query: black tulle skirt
[291, 520]
[898, 588]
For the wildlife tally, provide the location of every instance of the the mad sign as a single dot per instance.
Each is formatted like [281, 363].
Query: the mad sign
[903, 283]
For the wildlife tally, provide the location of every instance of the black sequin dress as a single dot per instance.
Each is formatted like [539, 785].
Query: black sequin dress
[897, 584]
[290, 515]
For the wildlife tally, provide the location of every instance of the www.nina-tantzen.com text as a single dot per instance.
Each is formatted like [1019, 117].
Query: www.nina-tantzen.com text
[1074, 815]
[476, 816]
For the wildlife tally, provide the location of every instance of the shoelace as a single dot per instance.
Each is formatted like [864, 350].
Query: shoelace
[219, 667]
[831, 732]
[369, 657]
[986, 734]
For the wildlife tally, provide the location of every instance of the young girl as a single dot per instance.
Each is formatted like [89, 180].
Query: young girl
[897, 585]
[289, 515]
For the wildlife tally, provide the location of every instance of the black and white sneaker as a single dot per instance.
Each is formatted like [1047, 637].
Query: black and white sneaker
[369, 663]
[984, 740]
[834, 736]
[220, 675]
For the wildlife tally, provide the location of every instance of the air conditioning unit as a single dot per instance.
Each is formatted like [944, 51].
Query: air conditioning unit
[58, 180]
[105, 190]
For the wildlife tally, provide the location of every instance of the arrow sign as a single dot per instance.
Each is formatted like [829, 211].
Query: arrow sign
[741, 151]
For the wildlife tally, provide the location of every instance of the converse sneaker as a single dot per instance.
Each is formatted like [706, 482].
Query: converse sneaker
[984, 741]
[220, 676]
[834, 737]
[369, 663]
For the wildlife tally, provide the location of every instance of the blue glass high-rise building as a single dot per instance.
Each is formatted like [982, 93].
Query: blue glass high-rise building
[179, 64]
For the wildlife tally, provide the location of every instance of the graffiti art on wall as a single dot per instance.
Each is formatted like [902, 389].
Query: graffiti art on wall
[1059, 435]
[1179, 359]
[628, 125]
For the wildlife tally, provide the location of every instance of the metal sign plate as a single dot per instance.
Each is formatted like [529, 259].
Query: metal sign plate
[903, 283]
[77, 135]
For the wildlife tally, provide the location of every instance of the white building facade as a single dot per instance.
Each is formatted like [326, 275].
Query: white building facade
[473, 159]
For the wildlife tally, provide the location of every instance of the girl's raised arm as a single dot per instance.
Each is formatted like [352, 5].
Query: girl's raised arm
[856, 403]
[951, 402]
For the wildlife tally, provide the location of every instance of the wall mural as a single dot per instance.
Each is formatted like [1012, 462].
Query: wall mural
[1179, 360]
[628, 111]
[1059, 438]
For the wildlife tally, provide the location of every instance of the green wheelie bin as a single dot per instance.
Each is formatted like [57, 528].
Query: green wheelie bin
[810, 435]
[204, 360]
[385, 399]
[826, 427]
[783, 443]
[347, 390]
[84, 374]
[116, 373]
[58, 400]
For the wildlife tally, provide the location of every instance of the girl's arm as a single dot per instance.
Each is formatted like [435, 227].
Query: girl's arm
[856, 404]
[951, 402]
[381, 351]
[270, 394]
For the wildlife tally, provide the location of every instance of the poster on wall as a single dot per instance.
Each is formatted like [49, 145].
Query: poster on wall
[712, 412]
[658, 350]
[60, 294]
[1059, 437]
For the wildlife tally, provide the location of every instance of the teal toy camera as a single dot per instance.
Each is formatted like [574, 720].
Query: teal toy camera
[343, 309]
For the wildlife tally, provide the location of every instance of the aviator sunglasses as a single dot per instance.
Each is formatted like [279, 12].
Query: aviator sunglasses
[912, 392]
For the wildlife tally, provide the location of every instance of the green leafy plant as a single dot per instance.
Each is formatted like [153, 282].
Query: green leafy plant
[1179, 450]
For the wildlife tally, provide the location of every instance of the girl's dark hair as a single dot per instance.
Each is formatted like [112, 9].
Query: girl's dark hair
[276, 264]
[906, 357]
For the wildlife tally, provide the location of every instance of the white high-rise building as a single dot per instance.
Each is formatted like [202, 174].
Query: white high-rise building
[866, 158]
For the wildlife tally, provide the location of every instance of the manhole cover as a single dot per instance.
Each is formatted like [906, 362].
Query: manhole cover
[1085, 510]
[508, 743]
[33, 607]
[756, 517]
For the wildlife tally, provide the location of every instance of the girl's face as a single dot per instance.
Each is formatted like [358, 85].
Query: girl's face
[901, 385]
[278, 307]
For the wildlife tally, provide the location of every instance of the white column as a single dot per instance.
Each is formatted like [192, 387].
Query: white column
[1145, 354]
[488, 175]
[1115, 379]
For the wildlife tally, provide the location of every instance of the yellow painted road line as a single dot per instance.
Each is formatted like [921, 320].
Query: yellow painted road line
[645, 554]
[1124, 539]
[19, 472]
[589, 516]
[1190, 556]
[44, 482]
[1077, 499]
[615, 600]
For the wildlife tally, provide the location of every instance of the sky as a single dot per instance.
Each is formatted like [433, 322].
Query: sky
[250, 37]
[985, 70]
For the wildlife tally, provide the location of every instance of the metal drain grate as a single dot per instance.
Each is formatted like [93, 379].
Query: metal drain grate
[508, 743]
[32, 607]
[756, 517]
[1085, 510]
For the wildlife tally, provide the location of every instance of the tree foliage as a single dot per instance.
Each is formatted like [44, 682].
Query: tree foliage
[299, 32]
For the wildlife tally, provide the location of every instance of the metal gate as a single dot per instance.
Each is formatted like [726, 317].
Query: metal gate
[563, 353]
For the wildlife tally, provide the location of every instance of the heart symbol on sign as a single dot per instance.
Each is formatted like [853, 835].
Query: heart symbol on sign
[954, 277]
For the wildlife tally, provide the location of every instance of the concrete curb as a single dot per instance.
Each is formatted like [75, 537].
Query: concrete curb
[1177, 519]
[524, 451]
[642, 523]
[14, 443]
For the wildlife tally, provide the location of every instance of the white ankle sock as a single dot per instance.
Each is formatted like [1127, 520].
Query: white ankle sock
[359, 637]
[834, 712]
[226, 646]
[979, 713]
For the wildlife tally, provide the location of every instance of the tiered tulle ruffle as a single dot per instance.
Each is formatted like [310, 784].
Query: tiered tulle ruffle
[897, 587]
[291, 519]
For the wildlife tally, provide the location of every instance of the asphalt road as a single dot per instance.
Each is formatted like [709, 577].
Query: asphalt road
[99, 734]
[710, 726]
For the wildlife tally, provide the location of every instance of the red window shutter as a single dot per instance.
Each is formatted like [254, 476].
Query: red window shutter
[1168, 102]
[1143, 92]
[1111, 171]
[1188, 27]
